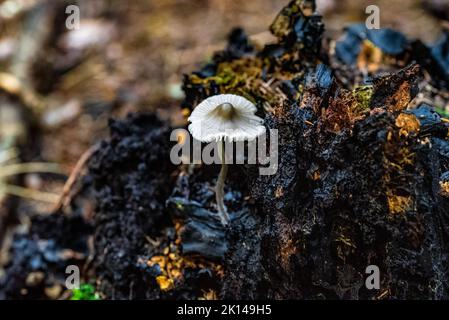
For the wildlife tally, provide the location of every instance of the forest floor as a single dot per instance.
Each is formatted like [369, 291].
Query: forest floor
[58, 90]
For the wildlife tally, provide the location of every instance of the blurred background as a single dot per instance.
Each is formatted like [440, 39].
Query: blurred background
[59, 87]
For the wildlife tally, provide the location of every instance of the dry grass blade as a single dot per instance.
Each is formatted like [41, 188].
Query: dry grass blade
[29, 193]
[31, 167]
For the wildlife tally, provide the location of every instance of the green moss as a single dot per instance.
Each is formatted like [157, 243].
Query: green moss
[179, 205]
[442, 111]
[363, 96]
[237, 77]
[228, 78]
[86, 291]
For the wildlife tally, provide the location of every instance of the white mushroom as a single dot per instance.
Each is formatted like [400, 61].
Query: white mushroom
[225, 117]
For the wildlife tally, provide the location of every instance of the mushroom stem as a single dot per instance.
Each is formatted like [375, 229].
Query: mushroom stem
[219, 188]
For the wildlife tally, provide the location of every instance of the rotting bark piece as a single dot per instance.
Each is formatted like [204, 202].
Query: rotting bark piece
[339, 108]
[389, 41]
[285, 20]
[190, 204]
[245, 280]
[274, 192]
[202, 234]
[430, 121]
[341, 222]
[299, 26]
[348, 47]
[320, 85]
[341, 113]
[395, 91]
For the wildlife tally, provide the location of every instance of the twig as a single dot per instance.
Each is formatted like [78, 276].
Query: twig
[65, 198]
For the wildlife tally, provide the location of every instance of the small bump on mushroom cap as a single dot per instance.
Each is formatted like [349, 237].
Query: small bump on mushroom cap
[208, 125]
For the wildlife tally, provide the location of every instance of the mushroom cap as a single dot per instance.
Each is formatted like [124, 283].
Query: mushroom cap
[225, 117]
